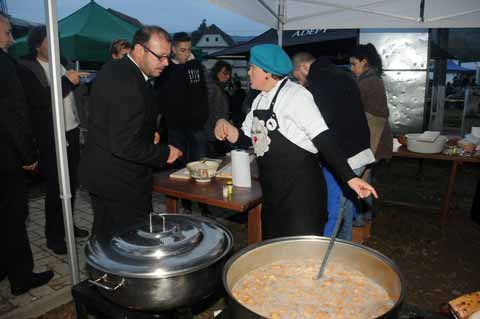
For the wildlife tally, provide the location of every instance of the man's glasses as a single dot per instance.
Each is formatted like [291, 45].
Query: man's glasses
[159, 57]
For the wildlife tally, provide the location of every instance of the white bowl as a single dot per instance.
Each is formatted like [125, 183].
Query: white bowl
[202, 171]
[414, 145]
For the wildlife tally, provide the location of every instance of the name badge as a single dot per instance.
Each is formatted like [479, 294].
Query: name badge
[271, 124]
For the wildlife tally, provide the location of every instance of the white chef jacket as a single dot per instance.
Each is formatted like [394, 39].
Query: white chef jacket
[298, 116]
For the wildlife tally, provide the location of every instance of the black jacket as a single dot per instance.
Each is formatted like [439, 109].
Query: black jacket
[16, 143]
[338, 98]
[119, 158]
[183, 95]
[37, 91]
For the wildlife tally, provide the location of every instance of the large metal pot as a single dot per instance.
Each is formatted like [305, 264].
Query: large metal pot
[174, 262]
[368, 261]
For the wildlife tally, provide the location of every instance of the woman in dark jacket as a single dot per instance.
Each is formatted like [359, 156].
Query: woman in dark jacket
[218, 102]
[366, 65]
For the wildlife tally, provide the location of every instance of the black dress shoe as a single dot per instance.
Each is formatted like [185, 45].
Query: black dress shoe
[3, 275]
[35, 281]
[58, 247]
[80, 233]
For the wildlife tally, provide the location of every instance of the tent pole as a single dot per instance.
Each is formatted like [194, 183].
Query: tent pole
[477, 72]
[266, 6]
[280, 21]
[59, 132]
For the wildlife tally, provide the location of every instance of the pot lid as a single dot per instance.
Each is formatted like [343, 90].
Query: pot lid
[166, 245]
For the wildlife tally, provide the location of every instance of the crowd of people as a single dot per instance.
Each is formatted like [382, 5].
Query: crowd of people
[154, 104]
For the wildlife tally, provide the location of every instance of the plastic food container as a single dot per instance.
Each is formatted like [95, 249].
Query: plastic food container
[414, 145]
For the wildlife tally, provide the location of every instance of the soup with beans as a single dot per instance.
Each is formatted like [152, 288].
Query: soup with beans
[289, 290]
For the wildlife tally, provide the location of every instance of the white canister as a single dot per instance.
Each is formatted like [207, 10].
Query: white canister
[241, 176]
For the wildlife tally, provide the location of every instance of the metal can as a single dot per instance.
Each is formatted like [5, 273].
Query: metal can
[230, 188]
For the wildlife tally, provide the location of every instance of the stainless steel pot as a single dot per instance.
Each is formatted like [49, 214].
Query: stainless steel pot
[161, 265]
[368, 261]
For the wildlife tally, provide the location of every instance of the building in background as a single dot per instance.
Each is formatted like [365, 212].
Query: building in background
[211, 39]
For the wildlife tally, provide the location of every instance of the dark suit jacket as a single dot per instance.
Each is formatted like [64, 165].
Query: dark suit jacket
[119, 158]
[16, 144]
[39, 98]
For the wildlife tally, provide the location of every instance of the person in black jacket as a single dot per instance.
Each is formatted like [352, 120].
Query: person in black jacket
[120, 153]
[218, 100]
[183, 98]
[337, 96]
[36, 81]
[17, 156]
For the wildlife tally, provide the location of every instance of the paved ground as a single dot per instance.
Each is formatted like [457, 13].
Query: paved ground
[40, 300]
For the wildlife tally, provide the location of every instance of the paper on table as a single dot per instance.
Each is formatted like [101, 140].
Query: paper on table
[180, 174]
[396, 145]
[428, 136]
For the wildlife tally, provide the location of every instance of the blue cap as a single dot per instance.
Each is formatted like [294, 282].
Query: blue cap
[271, 58]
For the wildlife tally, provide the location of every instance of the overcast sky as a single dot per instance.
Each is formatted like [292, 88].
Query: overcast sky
[173, 15]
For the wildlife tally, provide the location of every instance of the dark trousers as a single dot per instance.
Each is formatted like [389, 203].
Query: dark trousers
[193, 144]
[54, 228]
[16, 256]
[217, 149]
[111, 216]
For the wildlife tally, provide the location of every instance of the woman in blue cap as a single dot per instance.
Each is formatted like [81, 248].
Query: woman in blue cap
[287, 132]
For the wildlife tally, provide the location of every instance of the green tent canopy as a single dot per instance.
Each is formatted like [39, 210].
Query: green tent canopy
[86, 34]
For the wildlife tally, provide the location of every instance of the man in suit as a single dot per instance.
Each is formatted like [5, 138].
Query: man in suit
[120, 154]
[18, 155]
[36, 81]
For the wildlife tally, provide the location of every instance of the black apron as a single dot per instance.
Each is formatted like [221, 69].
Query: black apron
[294, 191]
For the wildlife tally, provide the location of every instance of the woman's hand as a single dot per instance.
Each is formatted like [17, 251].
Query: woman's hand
[224, 130]
[362, 188]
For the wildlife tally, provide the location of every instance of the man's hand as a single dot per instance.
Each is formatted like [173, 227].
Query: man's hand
[31, 168]
[224, 130]
[362, 188]
[156, 138]
[174, 154]
[74, 76]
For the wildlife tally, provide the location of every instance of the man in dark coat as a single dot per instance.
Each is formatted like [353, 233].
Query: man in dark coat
[183, 98]
[17, 155]
[36, 81]
[120, 154]
[338, 99]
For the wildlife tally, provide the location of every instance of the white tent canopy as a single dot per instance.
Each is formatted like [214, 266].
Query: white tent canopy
[340, 14]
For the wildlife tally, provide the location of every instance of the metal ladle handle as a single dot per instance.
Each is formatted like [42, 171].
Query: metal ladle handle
[343, 205]
[163, 221]
[153, 235]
